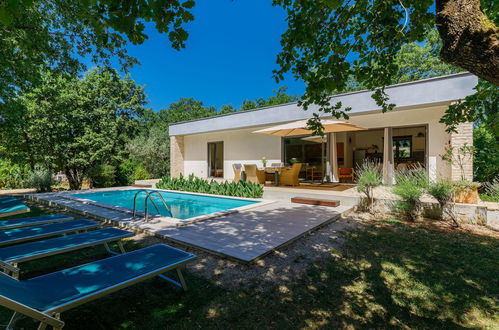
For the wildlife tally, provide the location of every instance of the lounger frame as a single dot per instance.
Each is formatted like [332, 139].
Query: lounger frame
[55, 233]
[37, 223]
[14, 270]
[52, 316]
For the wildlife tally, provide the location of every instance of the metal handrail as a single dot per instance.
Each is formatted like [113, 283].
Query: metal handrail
[135, 200]
[146, 206]
[152, 200]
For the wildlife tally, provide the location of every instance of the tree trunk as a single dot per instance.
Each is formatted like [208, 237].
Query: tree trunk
[73, 178]
[470, 39]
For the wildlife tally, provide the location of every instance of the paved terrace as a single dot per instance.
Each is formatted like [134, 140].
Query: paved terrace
[245, 236]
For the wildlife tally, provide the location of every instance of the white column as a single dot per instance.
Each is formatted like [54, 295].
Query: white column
[333, 157]
[388, 156]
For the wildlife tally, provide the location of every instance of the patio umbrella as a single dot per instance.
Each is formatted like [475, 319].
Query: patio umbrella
[299, 127]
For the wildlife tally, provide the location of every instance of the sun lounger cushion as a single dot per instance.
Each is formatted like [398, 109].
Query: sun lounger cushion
[20, 252]
[11, 206]
[21, 234]
[51, 290]
[33, 221]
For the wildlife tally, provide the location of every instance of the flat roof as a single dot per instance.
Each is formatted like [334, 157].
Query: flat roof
[419, 93]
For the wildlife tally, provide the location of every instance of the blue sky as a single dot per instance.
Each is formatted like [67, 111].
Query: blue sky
[229, 57]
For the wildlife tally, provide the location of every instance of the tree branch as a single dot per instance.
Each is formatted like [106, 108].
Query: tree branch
[470, 38]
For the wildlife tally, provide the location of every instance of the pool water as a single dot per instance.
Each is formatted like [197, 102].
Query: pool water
[182, 205]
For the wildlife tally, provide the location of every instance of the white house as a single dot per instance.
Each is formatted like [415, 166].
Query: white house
[411, 133]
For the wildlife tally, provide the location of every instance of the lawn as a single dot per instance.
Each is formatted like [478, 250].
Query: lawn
[390, 274]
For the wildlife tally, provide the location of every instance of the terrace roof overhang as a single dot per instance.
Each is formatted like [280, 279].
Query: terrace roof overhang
[437, 91]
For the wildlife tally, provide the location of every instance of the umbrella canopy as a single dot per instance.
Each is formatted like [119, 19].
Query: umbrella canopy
[316, 139]
[299, 127]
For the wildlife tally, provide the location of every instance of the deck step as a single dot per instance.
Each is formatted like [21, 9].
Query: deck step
[315, 201]
[138, 185]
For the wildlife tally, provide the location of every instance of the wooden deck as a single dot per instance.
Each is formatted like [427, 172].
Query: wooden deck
[244, 236]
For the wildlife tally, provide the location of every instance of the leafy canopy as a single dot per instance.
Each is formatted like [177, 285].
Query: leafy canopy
[335, 45]
[57, 34]
[71, 125]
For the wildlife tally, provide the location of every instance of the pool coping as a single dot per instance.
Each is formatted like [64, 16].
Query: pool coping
[152, 216]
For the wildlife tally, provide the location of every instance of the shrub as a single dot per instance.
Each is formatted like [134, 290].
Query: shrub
[194, 184]
[410, 186]
[443, 191]
[369, 177]
[101, 176]
[12, 176]
[491, 191]
[40, 179]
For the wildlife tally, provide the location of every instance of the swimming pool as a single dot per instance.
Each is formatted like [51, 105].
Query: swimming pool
[182, 205]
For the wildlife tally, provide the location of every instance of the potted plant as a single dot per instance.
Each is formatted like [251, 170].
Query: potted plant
[465, 191]
[264, 161]
[293, 160]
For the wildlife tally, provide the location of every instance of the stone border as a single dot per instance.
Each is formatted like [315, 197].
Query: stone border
[177, 222]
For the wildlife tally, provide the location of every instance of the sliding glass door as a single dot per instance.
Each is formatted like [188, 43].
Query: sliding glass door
[216, 159]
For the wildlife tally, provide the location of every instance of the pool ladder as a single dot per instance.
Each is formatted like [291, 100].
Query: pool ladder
[146, 206]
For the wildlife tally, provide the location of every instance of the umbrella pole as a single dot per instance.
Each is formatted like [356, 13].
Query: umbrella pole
[322, 159]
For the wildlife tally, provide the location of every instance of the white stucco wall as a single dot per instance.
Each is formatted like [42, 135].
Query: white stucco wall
[437, 137]
[240, 146]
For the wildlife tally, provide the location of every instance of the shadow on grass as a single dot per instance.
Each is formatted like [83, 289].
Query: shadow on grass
[392, 275]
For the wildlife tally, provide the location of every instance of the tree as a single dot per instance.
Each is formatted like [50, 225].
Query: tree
[153, 151]
[328, 43]
[280, 97]
[73, 125]
[57, 34]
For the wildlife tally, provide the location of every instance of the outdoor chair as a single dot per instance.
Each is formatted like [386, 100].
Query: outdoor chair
[33, 221]
[289, 175]
[20, 235]
[11, 256]
[253, 174]
[11, 206]
[346, 173]
[238, 168]
[43, 298]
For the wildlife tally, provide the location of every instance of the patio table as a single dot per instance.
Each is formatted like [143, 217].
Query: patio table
[276, 171]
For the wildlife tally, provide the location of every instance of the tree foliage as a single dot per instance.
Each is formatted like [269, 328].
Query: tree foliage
[331, 43]
[57, 34]
[72, 125]
[281, 97]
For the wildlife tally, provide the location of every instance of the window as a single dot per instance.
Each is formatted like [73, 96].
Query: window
[402, 147]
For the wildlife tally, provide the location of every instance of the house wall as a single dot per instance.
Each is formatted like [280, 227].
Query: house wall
[240, 146]
[464, 135]
[176, 155]
[437, 138]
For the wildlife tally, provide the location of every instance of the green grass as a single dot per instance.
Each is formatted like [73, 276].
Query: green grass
[488, 198]
[390, 275]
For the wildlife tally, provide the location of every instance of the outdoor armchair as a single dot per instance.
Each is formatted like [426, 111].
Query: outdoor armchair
[346, 173]
[238, 168]
[253, 174]
[289, 175]
[43, 298]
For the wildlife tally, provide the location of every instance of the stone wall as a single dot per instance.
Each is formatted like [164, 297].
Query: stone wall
[176, 155]
[464, 135]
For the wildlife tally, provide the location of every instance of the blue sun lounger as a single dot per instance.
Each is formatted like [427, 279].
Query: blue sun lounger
[11, 206]
[33, 221]
[43, 298]
[19, 235]
[11, 256]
